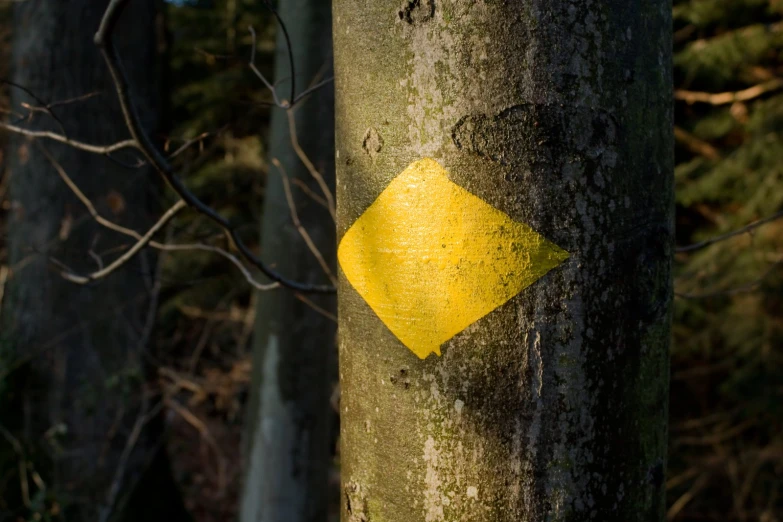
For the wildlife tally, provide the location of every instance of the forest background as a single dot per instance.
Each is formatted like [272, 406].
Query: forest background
[726, 425]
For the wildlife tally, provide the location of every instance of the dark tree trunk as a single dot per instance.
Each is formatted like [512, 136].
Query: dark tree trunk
[85, 346]
[467, 133]
[288, 450]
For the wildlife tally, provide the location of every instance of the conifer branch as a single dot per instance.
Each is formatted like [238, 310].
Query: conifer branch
[724, 98]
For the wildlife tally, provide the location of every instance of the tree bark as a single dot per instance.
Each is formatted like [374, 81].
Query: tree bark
[289, 429]
[84, 346]
[552, 406]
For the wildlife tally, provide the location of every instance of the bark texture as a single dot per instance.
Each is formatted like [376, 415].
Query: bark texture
[84, 347]
[288, 450]
[554, 405]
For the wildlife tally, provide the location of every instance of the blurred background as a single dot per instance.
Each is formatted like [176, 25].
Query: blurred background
[726, 425]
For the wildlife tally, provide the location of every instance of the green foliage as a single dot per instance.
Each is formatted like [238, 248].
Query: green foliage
[214, 91]
[718, 60]
[23, 492]
[728, 352]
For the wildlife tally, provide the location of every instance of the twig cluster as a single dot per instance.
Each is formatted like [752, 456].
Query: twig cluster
[141, 142]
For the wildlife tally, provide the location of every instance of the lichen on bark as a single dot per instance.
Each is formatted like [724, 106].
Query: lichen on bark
[553, 406]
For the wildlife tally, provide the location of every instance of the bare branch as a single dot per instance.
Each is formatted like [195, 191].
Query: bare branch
[258, 73]
[219, 251]
[154, 244]
[161, 164]
[188, 143]
[312, 195]
[47, 109]
[746, 229]
[309, 165]
[194, 421]
[127, 256]
[696, 145]
[3, 280]
[24, 484]
[84, 199]
[724, 98]
[154, 286]
[295, 98]
[46, 106]
[96, 149]
[289, 48]
[75, 99]
[142, 420]
[298, 224]
[689, 495]
[315, 307]
[98, 260]
[749, 287]
[310, 90]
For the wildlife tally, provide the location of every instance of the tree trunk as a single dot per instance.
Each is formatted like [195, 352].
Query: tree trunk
[84, 345]
[505, 201]
[289, 429]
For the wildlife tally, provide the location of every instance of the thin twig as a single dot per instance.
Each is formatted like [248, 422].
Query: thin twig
[56, 340]
[723, 98]
[194, 421]
[309, 165]
[295, 98]
[154, 244]
[187, 144]
[96, 149]
[298, 224]
[311, 90]
[312, 195]
[749, 287]
[152, 308]
[219, 251]
[119, 473]
[132, 251]
[718, 437]
[206, 335]
[288, 46]
[681, 502]
[3, 280]
[75, 99]
[103, 39]
[747, 228]
[695, 144]
[36, 98]
[22, 464]
[315, 307]
[258, 73]
[211, 323]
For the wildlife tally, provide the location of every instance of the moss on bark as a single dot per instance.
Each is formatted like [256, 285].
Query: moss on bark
[553, 406]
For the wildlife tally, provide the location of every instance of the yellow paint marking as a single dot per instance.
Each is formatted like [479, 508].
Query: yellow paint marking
[430, 258]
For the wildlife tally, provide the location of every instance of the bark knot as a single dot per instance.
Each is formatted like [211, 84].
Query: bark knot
[356, 503]
[417, 11]
[372, 142]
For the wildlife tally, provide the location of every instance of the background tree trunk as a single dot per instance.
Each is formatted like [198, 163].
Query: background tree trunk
[85, 347]
[290, 421]
[553, 406]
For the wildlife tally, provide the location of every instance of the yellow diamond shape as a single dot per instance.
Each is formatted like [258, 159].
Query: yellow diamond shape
[430, 258]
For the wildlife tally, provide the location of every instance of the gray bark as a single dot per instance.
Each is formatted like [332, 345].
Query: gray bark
[84, 346]
[288, 433]
[554, 405]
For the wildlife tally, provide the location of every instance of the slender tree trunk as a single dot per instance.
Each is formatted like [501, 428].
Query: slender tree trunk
[289, 428]
[84, 346]
[505, 218]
